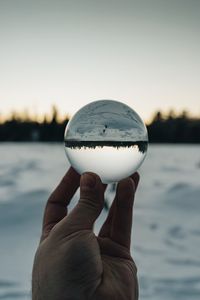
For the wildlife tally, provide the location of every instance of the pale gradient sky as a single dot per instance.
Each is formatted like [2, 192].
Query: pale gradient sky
[144, 53]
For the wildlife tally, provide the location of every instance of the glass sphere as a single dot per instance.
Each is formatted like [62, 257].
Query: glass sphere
[108, 138]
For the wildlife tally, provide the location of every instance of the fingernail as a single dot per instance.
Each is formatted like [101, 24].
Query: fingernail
[88, 180]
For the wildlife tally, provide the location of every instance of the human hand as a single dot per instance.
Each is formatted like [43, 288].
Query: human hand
[71, 262]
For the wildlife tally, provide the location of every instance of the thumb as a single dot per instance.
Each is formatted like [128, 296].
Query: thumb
[89, 207]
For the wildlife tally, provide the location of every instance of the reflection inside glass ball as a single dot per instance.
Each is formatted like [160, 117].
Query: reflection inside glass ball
[108, 138]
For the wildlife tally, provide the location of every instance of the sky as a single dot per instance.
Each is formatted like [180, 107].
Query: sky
[144, 53]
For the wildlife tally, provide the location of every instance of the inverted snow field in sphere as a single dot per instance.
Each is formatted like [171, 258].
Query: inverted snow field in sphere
[108, 138]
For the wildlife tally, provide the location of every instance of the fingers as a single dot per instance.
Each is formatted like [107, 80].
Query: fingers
[122, 217]
[136, 179]
[106, 227]
[56, 208]
[90, 205]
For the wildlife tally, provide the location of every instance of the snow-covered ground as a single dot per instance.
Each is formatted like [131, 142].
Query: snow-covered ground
[106, 120]
[166, 228]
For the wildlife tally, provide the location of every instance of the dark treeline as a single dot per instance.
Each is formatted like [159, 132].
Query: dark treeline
[19, 130]
[142, 146]
[174, 129]
[162, 129]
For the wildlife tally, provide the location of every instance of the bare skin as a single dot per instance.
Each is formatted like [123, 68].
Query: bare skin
[71, 262]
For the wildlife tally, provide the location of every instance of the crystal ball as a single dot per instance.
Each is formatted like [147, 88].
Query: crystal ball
[108, 138]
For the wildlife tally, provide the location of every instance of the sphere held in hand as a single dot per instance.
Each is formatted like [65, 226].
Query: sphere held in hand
[108, 138]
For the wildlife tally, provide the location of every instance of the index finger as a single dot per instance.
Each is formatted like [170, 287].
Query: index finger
[56, 207]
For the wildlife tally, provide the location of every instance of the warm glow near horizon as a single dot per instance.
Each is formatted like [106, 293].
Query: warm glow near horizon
[69, 53]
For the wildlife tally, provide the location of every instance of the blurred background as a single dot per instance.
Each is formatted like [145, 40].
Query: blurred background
[57, 56]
